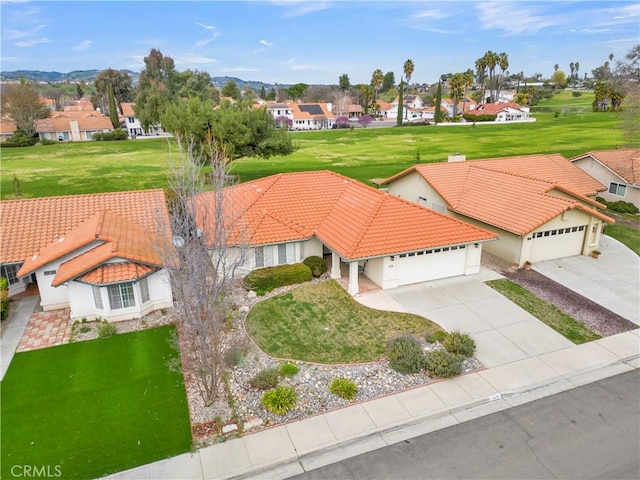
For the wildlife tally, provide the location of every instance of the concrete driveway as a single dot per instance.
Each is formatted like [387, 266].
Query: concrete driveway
[503, 332]
[613, 280]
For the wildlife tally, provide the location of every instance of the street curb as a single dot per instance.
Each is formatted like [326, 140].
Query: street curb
[433, 421]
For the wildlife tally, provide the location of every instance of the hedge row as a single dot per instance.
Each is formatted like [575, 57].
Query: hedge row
[268, 278]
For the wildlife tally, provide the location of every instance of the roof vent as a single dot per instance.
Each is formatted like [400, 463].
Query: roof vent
[457, 157]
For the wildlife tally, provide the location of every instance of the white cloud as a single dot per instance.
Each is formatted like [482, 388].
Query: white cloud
[293, 65]
[206, 27]
[32, 43]
[190, 59]
[265, 46]
[83, 45]
[12, 34]
[512, 18]
[10, 59]
[435, 14]
[266, 43]
[213, 34]
[301, 8]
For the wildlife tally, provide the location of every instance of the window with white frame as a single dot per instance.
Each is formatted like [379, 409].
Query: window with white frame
[144, 290]
[618, 189]
[286, 253]
[259, 253]
[97, 297]
[10, 273]
[121, 296]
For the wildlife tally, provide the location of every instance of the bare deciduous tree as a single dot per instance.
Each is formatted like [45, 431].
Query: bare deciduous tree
[205, 254]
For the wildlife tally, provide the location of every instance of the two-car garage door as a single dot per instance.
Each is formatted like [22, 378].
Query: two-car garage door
[431, 264]
[557, 243]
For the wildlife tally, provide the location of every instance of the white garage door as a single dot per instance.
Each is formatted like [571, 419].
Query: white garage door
[431, 265]
[557, 243]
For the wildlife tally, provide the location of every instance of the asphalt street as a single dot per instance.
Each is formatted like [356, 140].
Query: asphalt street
[588, 432]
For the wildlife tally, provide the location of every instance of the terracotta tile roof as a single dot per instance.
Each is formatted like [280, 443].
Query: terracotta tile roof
[61, 122]
[80, 106]
[499, 197]
[7, 127]
[30, 225]
[127, 109]
[109, 236]
[116, 273]
[355, 220]
[47, 102]
[625, 162]
[494, 108]
[384, 105]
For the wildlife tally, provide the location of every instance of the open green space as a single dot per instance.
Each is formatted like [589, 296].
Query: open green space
[565, 100]
[92, 408]
[320, 322]
[363, 154]
[626, 235]
[562, 323]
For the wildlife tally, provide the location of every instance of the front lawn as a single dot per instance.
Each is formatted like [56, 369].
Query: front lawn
[92, 408]
[562, 323]
[321, 323]
[626, 235]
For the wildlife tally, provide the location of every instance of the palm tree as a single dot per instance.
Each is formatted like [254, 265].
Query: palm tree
[577, 67]
[376, 81]
[481, 75]
[491, 60]
[503, 62]
[407, 68]
[572, 68]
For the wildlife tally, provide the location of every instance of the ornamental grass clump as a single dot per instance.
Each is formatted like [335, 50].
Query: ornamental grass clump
[460, 344]
[344, 388]
[289, 369]
[279, 400]
[405, 354]
[265, 379]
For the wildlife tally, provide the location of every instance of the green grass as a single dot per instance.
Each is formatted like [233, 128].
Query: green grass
[94, 407]
[321, 323]
[363, 154]
[565, 100]
[626, 235]
[562, 323]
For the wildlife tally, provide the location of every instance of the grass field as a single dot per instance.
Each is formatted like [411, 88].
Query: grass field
[626, 235]
[363, 154]
[95, 407]
[562, 323]
[321, 323]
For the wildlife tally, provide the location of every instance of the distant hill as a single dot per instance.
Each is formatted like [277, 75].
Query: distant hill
[88, 76]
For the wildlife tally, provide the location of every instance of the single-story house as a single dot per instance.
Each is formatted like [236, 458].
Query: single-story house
[465, 105]
[96, 254]
[286, 218]
[618, 170]
[7, 129]
[504, 112]
[541, 206]
[72, 125]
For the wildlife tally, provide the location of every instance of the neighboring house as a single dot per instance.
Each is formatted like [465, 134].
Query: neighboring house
[7, 129]
[72, 125]
[50, 103]
[280, 110]
[131, 123]
[466, 105]
[288, 217]
[618, 170]
[96, 254]
[311, 116]
[80, 106]
[504, 112]
[541, 206]
[413, 108]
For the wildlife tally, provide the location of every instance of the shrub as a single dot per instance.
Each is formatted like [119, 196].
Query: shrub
[405, 354]
[234, 356]
[107, 330]
[4, 284]
[279, 400]
[442, 364]
[273, 277]
[19, 139]
[117, 134]
[4, 298]
[265, 379]
[460, 343]
[317, 265]
[622, 207]
[343, 388]
[576, 94]
[437, 336]
[289, 369]
[485, 117]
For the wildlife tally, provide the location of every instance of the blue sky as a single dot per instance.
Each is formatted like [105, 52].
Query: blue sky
[316, 41]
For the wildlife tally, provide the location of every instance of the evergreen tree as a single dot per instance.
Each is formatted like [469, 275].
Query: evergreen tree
[113, 110]
[437, 115]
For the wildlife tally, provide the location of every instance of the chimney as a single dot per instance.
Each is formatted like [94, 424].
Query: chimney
[457, 157]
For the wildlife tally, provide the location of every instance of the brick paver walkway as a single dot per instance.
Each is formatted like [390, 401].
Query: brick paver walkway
[46, 329]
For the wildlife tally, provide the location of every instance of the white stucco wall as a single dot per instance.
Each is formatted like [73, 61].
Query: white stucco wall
[82, 302]
[606, 176]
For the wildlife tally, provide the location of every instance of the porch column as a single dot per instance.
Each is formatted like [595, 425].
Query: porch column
[335, 266]
[353, 278]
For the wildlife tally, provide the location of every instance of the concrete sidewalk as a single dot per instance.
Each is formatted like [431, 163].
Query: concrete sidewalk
[12, 335]
[290, 449]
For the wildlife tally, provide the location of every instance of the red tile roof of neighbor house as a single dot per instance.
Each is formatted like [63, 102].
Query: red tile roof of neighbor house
[116, 273]
[127, 109]
[30, 225]
[108, 236]
[493, 108]
[61, 122]
[624, 162]
[355, 220]
[8, 127]
[516, 194]
[300, 115]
